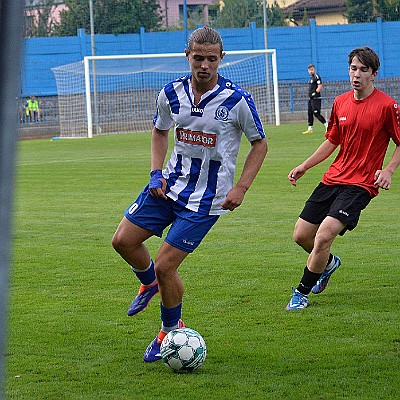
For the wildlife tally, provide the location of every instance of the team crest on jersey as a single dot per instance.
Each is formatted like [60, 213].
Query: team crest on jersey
[221, 113]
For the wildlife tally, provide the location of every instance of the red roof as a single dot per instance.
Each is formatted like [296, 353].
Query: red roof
[315, 7]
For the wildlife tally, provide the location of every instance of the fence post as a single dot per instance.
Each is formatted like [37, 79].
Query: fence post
[313, 39]
[142, 33]
[379, 33]
[253, 33]
[82, 39]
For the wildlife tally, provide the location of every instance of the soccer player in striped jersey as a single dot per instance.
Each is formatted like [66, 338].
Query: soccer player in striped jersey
[209, 114]
[362, 122]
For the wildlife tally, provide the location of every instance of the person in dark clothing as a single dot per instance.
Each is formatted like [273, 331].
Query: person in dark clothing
[314, 102]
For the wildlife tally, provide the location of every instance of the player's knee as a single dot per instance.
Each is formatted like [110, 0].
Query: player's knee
[121, 242]
[323, 239]
[300, 238]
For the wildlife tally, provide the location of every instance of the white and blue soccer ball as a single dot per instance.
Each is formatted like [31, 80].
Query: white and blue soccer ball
[183, 350]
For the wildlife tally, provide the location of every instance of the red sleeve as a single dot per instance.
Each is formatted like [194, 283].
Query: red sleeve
[393, 122]
[332, 134]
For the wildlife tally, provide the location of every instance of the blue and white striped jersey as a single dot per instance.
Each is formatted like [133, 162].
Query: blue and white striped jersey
[201, 169]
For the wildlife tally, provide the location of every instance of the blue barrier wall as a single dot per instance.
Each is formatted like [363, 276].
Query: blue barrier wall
[325, 46]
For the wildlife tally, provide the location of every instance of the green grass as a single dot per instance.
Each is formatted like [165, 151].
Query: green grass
[69, 336]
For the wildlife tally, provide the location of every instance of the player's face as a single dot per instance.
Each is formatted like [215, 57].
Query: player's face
[204, 60]
[361, 76]
[311, 71]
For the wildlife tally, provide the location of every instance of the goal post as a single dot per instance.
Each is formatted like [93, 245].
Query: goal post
[116, 94]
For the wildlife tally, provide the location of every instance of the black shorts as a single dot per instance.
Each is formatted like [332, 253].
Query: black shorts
[343, 202]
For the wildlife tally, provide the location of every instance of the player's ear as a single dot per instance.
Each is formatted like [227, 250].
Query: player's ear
[187, 53]
[222, 55]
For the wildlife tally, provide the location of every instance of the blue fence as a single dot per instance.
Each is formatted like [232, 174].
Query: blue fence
[325, 46]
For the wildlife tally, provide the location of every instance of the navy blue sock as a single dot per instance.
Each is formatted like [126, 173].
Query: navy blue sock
[147, 277]
[170, 316]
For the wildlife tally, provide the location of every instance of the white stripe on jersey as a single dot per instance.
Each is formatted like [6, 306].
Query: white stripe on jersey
[201, 169]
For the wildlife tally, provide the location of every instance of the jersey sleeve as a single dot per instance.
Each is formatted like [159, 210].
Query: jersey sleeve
[393, 122]
[333, 134]
[249, 119]
[163, 119]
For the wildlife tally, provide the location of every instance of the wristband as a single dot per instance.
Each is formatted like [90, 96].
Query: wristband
[155, 177]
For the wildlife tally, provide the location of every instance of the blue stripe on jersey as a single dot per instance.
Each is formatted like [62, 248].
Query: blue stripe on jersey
[195, 169]
[235, 97]
[173, 176]
[255, 115]
[172, 98]
[211, 190]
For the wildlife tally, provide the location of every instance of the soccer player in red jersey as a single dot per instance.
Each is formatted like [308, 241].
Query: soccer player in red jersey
[361, 123]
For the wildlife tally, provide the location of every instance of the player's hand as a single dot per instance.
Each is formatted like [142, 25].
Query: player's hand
[158, 184]
[383, 179]
[295, 174]
[234, 198]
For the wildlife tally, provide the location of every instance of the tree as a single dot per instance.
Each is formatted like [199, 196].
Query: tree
[110, 16]
[388, 10]
[40, 15]
[360, 11]
[275, 15]
[239, 13]
[236, 14]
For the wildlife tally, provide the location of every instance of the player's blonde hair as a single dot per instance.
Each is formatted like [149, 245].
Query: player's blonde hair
[205, 35]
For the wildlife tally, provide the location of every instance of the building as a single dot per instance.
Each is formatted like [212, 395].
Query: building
[172, 11]
[325, 12]
[37, 9]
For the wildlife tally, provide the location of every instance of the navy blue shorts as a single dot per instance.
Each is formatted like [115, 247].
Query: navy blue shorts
[343, 202]
[188, 228]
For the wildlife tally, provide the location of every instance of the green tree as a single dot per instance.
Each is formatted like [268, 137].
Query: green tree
[41, 24]
[236, 14]
[306, 19]
[275, 15]
[110, 16]
[360, 11]
[239, 13]
[388, 10]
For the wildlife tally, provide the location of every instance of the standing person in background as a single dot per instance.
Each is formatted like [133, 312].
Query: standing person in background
[209, 114]
[314, 100]
[34, 109]
[362, 122]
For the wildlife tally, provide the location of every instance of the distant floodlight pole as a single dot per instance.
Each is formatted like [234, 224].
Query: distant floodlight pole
[11, 23]
[93, 46]
[185, 22]
[265, 15]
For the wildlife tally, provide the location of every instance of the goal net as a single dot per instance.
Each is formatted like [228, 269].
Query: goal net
[117, 94]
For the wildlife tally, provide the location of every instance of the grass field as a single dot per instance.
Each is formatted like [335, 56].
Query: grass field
[69, 336]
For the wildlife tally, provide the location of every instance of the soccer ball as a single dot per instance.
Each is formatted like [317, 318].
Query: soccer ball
[183, 350]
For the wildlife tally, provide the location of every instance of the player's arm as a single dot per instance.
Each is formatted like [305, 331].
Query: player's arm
[159, 148]
[321, 154]
[383, 178]
[252, 165]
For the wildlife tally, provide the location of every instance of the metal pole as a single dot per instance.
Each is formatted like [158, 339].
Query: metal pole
[93, 46]
[269, 97]
[11, 23]
[185, 22]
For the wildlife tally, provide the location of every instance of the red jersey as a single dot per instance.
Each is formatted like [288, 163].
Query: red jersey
[363, 129]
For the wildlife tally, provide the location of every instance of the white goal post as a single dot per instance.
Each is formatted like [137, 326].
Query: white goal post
[117, 94]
